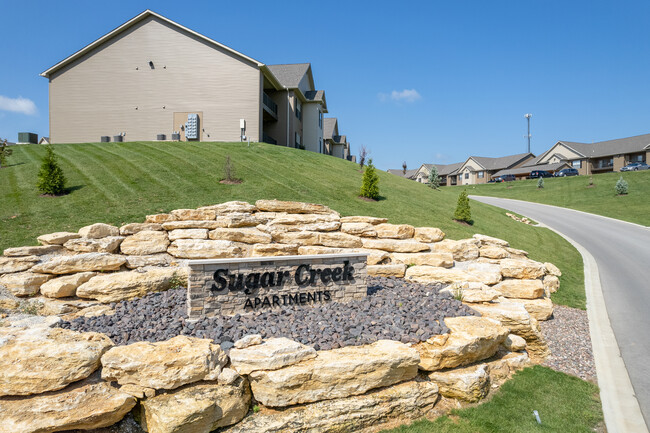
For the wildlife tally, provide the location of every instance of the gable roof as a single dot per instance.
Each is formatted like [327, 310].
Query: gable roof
[290, 75]
[528, 168]
[637, 143]
[130, 23]
[330, 126]
[398, 172]
[448, 169]
[317, 96]
[500, 163]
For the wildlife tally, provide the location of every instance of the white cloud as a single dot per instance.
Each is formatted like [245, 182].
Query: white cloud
[18, 105]
[406, 95]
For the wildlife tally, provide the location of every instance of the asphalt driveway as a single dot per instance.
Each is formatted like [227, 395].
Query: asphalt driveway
[622, 253]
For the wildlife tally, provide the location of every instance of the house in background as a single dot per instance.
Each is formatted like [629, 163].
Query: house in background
[408, 174]
[479, 169]
[335, 143]
[154, 79]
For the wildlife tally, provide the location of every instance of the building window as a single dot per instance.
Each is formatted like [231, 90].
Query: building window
[298, 109]
[576, 164]
[467, 175]
[320, 145]
[320, 119]
[480, 174]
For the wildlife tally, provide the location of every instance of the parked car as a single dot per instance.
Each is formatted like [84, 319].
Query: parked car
[505, 178]
[539, 173]
[567, 172]
[634, 166]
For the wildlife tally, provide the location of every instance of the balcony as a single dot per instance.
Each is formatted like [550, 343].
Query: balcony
[270, 106]
[268, 139]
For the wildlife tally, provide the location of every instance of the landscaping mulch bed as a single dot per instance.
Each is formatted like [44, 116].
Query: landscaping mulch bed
[393, 310]
[567, 335]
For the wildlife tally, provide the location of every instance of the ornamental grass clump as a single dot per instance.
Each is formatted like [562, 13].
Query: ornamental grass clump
[51, 180]
[540, 182]
[370, 182]
[463, 212]
[621, 186]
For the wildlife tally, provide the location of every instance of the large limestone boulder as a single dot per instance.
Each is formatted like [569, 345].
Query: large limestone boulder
[514, 343]
[119, 286]
[188, 234]
[36, 360]
[164, 365]
[432, 274]
[462, 250]
[428, 234]
[133, 228]
[39, 250]
[274, 250]
[99, 230]
[204, 249]
[472, 292]
[194, 214]
[523, 289]
[442, 260]
[405, 401]
[395, 245]
[87, 262]
[394, 231]
[17, 264]
[231, 207]
[198, 407]
[237, 219]
[292, 207]
[66, 285]
[336, 373]
[359, 229]
[522, 269]
[302, 238]
[339, 240]
[489, 240]
[90, 404]
[540, 309]
[493, 252]
[58, 238]
[162, 259]
[552, 269]
[391, 270]
[551, 284]
[272, 354]
[247, 235]
[487, 273]
[375, 257]
[514, 316]
[109, 244]
[471, 339]
[24, 283]
[325, 226]
[301, 219]
[363, 219]
[467, 384]
[160, 218]
[175, 225]
[145, 242]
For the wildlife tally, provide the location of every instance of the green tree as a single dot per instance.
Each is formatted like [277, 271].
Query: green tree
[463, 212]
[621, 186]
[370, 182]
[434, 178]
[50, 177]
[540, 182]
[5, 152]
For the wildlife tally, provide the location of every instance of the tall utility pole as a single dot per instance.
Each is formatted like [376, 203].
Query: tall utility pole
[528, 116]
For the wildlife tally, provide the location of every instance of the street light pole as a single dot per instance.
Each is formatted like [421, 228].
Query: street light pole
[528, 116]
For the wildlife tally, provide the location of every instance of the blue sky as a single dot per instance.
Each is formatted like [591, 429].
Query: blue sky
[422, 81]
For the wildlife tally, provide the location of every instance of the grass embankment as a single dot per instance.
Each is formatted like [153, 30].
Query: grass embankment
[565, 404]
[118, 183]
[577, 193]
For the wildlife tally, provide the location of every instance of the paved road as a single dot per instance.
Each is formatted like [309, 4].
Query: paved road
[622, 253]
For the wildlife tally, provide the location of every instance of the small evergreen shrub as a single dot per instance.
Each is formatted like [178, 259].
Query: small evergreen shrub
[5, 152]
[463, 212]
[621, 186]
[540, 182]
[370, 182]
[434, 179]
[51, 180]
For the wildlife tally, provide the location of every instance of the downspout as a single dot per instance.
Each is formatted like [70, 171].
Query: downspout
[288, 99]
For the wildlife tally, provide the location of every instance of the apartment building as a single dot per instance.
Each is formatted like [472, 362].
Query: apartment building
[154, 79]
[335, 143]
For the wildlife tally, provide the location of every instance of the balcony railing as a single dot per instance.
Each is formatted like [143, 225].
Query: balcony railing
[269, 104]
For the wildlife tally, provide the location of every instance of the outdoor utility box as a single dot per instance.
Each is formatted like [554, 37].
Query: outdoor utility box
[117, 138]
[105, 139]
[27, 137]
[161, 137]
[192, 127]
[176, 137]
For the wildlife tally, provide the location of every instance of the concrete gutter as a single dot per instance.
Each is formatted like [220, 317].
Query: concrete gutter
[620, 406]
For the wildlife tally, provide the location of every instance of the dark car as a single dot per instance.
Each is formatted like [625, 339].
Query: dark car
[567, 172]
[505, 178]
[539, 173]
[635, 166]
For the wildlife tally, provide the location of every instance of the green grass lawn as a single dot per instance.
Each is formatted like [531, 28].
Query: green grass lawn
[575, 193]
[565, 404]
[117, 183]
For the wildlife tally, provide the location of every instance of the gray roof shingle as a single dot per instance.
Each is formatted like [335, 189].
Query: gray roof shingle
[289, 75]
[638, 143]
[528, 168]
[329, 124]
[501, 162]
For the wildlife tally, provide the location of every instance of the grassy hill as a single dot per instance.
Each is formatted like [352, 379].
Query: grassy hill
[118, 183]
[577, 193]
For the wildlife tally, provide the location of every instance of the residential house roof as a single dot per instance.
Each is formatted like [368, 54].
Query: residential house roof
[448, 169]
[290, 75]
[133, 21]
[330, 127]
[317, 96]
[526, 169]
[502, 162]
[638, 143]
[399, 172]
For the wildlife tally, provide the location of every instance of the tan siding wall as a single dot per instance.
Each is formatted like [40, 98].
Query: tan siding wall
[97, 94]
[619, 162]
[561, 149]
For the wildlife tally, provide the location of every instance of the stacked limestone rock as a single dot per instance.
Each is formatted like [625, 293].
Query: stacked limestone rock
[189, 381]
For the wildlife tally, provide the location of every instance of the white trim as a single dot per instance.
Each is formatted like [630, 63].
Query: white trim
[130, 23]
[273, 258]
